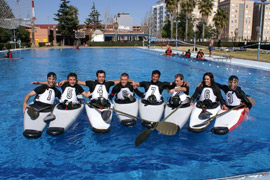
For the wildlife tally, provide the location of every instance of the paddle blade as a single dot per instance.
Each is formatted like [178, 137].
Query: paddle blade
[33, 113]
[49, 118]
[204, 114]
[106, 115]
[167, 128]
[142, 137]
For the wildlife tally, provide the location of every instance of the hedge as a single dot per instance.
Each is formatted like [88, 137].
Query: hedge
[4, 46]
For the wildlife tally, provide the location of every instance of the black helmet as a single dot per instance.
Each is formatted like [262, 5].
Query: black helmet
[175, 101]
[51, 74]
[233, 78]
[152, 99]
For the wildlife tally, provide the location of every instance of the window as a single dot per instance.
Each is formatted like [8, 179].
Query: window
[232, 21]
[246, 6]
[235, 21]
[236, 11]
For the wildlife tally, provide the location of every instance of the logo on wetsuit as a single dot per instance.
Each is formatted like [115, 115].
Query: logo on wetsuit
[69, 93]
[100, 91]
[207, 94]
[49, 96]
[230, 98]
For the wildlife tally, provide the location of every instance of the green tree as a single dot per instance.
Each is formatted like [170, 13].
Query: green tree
[166, 32]
[23, 35]
[4, 36]
[209, 31]
[221, 18]
[67, 17]
[171, 5]
[93, 19]
[205, 7]
[188, 7]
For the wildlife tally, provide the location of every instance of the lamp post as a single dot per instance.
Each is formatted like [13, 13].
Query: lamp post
[262, 2]
[115, 26]
[176, 32]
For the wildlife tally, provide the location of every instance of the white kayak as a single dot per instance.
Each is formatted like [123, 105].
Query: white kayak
[151, 113]
[63, 119]
[34, 128]
[195, 118]
[131, 108]
[179, 117]
[228, 121]
[96, 121]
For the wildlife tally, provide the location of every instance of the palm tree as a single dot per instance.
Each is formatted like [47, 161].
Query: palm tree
[221, 18]
[171, 5]
[188, 7]
[205, 7]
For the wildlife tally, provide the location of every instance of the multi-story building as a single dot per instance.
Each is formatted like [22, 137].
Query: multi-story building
[239, 26]
[159, 14]
[124, 21]
[265, 22]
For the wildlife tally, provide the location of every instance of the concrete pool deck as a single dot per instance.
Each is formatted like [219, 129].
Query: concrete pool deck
[235, 61]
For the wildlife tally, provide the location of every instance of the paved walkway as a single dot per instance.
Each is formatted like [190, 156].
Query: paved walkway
[241, 62]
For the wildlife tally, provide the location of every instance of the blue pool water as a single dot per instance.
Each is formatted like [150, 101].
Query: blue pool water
[82, 154]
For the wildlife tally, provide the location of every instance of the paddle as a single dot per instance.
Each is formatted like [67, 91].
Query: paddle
[204, 114]
[220, 114]
[105, 115]
[163, 127]
[50, 117]
[34, 113]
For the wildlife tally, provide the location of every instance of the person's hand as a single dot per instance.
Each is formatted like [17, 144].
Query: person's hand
[186, 83]
[191, 103]
[61, 82]
[224, 107]
[171, 91]
[134, 86]
[200, 84]
[246, 109]
[25, 106]
[34, 82]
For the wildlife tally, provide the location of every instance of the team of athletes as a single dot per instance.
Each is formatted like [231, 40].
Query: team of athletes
[208, 92]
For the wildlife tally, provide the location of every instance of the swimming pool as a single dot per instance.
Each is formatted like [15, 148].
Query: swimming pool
[82, 154]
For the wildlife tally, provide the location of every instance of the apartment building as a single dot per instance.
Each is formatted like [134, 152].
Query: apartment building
[239, 26]
[159, 14]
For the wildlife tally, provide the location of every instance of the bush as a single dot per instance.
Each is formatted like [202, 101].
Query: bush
[41, 44]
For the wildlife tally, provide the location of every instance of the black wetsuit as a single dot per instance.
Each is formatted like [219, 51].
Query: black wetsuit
[78, 88]
[216, 92]
[39, 91]
[116, 89]
[92, 85]
[185, 86]
[239, 93]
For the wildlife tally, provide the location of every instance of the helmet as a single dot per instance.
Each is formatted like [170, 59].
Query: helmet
[175, 101]
[51, 74]
[152, 99]
[233, 78]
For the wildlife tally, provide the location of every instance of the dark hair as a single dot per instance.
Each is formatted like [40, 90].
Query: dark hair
[179, 76]
[99, 72]
[125, 75]
[156, 72]
[211, 77]
[72, 75]
[233, 78]
[51, 74]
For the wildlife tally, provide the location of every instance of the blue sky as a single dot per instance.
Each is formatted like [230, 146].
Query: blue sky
[45, 9]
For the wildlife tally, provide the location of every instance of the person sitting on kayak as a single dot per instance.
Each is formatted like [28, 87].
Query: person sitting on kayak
[200, 55]
[124, 91]
[234, 94]
[8, 54]
[209, 93]
[179, 92]
[45, 94]
[188, 53]
[168, 52]
[153, 89]
[71, 89]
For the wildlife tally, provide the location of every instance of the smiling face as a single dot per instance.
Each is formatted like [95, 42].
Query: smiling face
[155, 78]
[124, 80]
[101, 77]
[178, 81]
[233, 85]
[51, 81]
[207, 80]
[72, 81]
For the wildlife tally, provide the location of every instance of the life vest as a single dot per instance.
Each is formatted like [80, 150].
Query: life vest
[183, 97]
[47, 97]
[99, 91]
[9, 55]
[123, 93]
[70, 95]
[231, 99]
[207, 93]
[153, 90]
